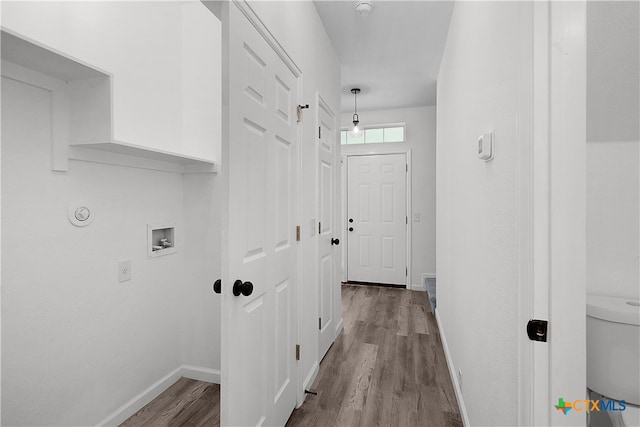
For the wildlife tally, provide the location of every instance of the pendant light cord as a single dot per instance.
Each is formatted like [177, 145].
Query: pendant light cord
[355, 107]
[355, 103]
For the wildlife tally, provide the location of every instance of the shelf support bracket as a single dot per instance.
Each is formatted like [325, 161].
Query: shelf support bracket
[60, 129]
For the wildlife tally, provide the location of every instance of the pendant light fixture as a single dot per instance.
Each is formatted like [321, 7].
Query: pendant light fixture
[355, 131]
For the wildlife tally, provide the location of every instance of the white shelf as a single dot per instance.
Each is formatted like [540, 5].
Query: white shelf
[127, 154]
[82, 111]
[28, 54]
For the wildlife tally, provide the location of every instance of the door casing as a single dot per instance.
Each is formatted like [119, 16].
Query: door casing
[552, 207]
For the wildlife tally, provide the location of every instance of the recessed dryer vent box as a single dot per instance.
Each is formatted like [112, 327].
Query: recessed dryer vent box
[161, 239]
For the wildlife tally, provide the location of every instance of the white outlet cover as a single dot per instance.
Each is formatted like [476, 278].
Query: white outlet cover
[80, 214]
[124, 270]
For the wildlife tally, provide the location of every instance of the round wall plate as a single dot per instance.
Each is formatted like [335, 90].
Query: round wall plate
[80, 214]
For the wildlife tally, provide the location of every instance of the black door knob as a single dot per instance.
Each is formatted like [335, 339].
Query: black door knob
[335, 241]
[217, 286]
[350, 228]
[350, 219]
[245, 288]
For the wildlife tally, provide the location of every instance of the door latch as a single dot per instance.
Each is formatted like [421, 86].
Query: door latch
[537, 330]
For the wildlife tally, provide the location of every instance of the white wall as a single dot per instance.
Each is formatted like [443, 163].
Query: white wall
[163, 55]
[421, 140]
[298, 28]
[477, 245]
[613, 149]
[200, 314]
[77, 344]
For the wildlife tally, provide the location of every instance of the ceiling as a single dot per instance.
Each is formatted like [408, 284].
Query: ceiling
[393, 54]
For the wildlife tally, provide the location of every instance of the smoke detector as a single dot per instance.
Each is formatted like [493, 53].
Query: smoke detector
[364, 7]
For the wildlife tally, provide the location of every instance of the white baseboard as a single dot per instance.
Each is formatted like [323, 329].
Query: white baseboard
[154, 390]
[339, 328]
[452, 373]
[201, 374]
[419, 287]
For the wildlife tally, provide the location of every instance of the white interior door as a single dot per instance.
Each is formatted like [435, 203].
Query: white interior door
[377, 218]
[328, 241]
[259, 160]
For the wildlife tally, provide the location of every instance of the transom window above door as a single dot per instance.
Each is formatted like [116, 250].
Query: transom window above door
[376, 134]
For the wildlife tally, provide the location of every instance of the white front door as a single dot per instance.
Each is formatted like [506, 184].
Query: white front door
[259, 251]
[328, 242]
[377, 218]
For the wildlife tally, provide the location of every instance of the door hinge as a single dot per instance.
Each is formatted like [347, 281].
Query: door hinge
[406, 219]
[297, 233]
[297, 351]
[299, 109]
[406, 271]
[319, 227]
[320, 323]
[406, 168]
[319, 132]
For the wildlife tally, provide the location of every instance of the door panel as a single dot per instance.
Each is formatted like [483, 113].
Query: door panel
[282, 333]
[282, 164]
[326, 184]
[328, 254]
[364, 249]
[326, 270]
[258, 341]
[364, 198]
[376, 201]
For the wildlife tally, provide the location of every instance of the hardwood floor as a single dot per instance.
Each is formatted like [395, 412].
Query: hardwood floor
[387, 368]
[185, 403]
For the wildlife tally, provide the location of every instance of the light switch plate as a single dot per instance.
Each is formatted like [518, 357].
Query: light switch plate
[485, 146]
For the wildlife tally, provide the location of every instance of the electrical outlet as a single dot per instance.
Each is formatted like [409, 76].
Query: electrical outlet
[460, 377]
[124, 270]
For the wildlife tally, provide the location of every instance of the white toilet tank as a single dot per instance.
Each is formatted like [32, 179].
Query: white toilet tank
[613, 347]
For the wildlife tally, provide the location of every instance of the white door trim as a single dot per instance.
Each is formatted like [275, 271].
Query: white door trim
[567, 202]
[255, 20]
[345, 190]
[532, 204]
[552, 208]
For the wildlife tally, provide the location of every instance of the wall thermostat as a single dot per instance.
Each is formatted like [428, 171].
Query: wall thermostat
[80, 214]
[485, 146]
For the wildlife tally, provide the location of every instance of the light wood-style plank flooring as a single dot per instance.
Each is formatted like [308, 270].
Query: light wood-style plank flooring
[387, 368]
[185, 403]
